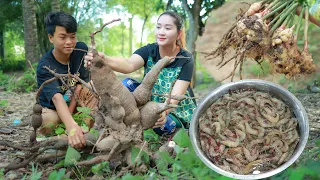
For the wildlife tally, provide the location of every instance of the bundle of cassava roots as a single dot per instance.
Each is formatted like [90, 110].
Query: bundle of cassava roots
[269, 31]
[248, 130]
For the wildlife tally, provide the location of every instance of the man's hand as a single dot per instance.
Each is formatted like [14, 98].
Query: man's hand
[88, 59]
[75, 136]
[161, 121]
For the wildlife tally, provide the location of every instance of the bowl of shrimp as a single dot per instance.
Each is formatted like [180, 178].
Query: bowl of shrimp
[249, 129]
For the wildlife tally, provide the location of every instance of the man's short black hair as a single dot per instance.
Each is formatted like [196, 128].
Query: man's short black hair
[63, 19]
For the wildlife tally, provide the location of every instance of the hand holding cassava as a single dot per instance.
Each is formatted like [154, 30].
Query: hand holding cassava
[89, 59]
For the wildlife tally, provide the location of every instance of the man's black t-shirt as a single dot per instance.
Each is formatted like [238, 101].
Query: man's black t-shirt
[76, 66]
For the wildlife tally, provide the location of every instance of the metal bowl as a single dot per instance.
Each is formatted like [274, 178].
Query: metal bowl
[260, 85]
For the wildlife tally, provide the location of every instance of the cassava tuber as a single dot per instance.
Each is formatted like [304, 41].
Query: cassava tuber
[151, 111]
[37, 109]
[143, 92]
[36, 121]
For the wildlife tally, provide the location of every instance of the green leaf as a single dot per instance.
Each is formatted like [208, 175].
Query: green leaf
[297, 174]
[150, 136]
[312, 168]
[223, 178]
[60, 164]
[101, 168]
[189, 158]
[54, 175]
[72, 156]
[85, 127]
[177, 166]
[36, 176]
[3, 103]
[162, 164]
[318, 142]
[178, 149]
[96, 168]
[143, 155]
[94, 132]
[182, 139]
[167, 157]
[165, 173]
[130, 177]
[84, 110]
[59, 131]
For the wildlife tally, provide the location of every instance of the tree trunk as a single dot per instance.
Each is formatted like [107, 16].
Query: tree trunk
[169, 4]
[130, 36]
[30, 31]
[142, 30]
[2, 44]
[192, 33]
[55, 5]
[122, 39]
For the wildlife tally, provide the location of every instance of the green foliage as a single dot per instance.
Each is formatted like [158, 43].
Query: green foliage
[79, 117]
[14, 41]
[2, 173]
[182, 139]
[10, 11]
[152, 138]
[60, 129]
[12, 65]
[81, 172]
[72, 156]
[3, 103]
[186, 164]
[4, 79]
[204, 80]
[102, 169]
[294, 86]
[139, 8]
[35, 175]
[131, 177]
[143, 157]
[26, 83]
[60, 164]
[310, 170]
[94, 132]
[260, 70]
[55, 175]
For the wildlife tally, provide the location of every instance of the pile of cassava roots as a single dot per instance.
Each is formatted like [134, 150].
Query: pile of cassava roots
[269, 31]
[248, 130]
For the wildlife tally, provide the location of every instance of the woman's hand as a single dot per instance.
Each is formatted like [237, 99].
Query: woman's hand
[162, 120]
